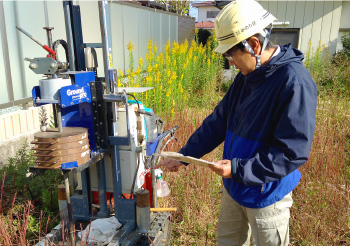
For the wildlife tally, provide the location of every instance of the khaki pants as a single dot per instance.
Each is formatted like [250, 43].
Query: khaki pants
[269, 225]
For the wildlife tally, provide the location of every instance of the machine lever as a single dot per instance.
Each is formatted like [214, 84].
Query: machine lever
[47, 48]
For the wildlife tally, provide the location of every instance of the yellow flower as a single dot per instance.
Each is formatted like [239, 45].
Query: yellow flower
[155, 48]
[193, 44]
[170, 81]
[120, 72]
[149, 69]
[138, 70]
[130, 46]
[141, 62]
[174, 76]
[167, 60]
[156, 66]
[167, 48]
[148, 78]
[149, 45]
[182, 76]
[132, 74]
[176, 47]
[195, 58]
[168, 72]
[208, 61]
[190, 53]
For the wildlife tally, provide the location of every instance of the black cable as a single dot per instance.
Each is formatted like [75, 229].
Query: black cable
[138, 105]
[135, 175]
[64, 45]
[93, 53]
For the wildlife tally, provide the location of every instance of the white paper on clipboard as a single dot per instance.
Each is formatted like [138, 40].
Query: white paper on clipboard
[188, 159]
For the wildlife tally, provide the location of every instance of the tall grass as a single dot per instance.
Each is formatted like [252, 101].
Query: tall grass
[331, 73]
[181, 75]
[195, 191]
[321, 211]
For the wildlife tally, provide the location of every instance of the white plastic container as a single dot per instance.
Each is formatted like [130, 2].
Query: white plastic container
[162, 187]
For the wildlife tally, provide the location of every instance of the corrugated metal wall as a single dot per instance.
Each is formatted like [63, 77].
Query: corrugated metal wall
[319, 21]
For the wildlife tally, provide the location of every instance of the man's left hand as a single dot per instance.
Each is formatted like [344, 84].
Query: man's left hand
[223, 169]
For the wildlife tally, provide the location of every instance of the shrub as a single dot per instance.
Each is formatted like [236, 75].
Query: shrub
[202, 36]
[345, 40]
[331, 74]
[27, 199]
[180, 76]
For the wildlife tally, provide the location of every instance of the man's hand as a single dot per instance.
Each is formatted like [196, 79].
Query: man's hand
[223, 169]
[169, 165]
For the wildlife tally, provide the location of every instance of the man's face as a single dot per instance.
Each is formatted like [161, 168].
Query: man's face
[241, 59]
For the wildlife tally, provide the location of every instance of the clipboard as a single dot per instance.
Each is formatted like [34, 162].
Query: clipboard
[188, 159]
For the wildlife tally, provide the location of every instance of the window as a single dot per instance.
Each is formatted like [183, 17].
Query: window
[285, 36]
[212, 14]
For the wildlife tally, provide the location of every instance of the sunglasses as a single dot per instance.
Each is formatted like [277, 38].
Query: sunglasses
[229, 56]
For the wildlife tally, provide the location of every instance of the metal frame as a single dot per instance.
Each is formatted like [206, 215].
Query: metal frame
[6, 56]
[16, 102]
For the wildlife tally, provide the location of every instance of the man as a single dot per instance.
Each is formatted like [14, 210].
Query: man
[267, 120]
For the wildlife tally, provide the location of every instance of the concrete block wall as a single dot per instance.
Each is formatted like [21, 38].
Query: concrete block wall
[17, 127]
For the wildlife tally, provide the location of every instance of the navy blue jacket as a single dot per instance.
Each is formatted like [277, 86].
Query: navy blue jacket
[267, 120]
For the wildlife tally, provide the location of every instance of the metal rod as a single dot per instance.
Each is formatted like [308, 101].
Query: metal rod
[69, 209]
[6, 54]
[101, 179]
[59, 119]
[68, 22]
[49, 35]
[30, 36]
[154, 185]
[106, 43]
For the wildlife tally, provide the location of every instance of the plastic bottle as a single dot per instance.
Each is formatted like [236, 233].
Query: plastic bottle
[162, 187]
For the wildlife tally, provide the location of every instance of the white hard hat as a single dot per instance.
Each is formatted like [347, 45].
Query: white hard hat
[238, 21]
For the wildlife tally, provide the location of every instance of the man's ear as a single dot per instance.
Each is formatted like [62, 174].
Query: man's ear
[255, 44]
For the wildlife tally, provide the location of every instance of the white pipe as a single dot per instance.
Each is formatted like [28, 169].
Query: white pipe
[281, 23]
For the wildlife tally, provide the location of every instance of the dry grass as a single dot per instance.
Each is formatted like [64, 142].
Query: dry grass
[194, 190]
[321, 210]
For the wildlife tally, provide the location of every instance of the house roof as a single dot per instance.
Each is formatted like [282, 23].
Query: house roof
[205, 24]
[203, 4]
